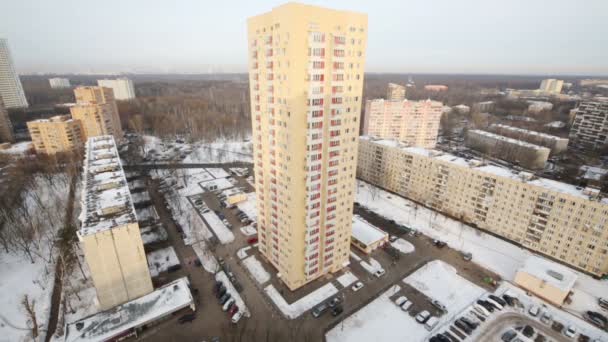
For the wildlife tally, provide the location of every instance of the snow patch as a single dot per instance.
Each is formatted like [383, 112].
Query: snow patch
[297, 308]
[256, 269]
[403, 246]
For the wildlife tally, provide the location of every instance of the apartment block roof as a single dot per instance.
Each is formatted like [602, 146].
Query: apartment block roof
[365, 232]
[508, 140]
[106, 199]
[496, 170]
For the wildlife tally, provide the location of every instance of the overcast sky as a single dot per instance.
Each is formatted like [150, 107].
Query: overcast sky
[405, 36]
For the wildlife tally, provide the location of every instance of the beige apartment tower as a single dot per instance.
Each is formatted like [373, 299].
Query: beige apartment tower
[395, 92]
[56, 135]
[6, 127]
[109, 233]
[556, 219]
[415, 123]
[306, 67]
[97, 111]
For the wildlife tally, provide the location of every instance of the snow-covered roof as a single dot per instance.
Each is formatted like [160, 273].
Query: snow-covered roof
[231, 192]
[527, 132]
[553, 273]
[106, 199]
[218, 184]
[497, 170]
[507, 139]
[366, 233]
[110, 323]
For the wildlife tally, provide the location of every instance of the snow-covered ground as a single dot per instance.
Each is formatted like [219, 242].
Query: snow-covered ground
[45, 202]
[297, 308]
[382, 320]
[403, 246]
[220, 151]
[217, 172]
[492, 253]
[249, 207]
[346, 279]
[372, 266]
[19, 148]
[256, 270]
[160, 260]
[206, 257]
[224, 235]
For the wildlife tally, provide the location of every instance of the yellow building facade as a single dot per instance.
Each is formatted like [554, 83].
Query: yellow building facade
[558, 220]
[97, 111]
[306, 67]
[109, 233]
[56, 135]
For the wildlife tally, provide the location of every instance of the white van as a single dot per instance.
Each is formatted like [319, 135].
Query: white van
[237, 316]
[431, 323]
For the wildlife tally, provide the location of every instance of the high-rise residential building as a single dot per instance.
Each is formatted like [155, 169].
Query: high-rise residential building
[6, 127]
[58, 82]
[306, 67]
[395, 92]
[551, 86]
[590, 126]
[97, 111]
[123, 88]
[11, 90]
[559, 220]
[413, 122]
[55, 135]
[109, 233]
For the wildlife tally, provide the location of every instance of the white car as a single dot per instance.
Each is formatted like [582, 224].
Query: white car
[399, 301]
[358, 285]
[423, 316]
[379, 273]
[406, 306]
[570, 331]
[534, 310]
[227, 305]
[237, 316]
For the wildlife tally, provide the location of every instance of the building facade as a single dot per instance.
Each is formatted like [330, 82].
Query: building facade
[58, 82]
[484, 107]
[551, 86]
[11, 90]
[6, 127]
[56, 135]
[395, 92]
[554, 143]
[306, 68]
[97, 112]
[109, 233]
[122, 87]
[590, 126]
[435, 87]
[549, 217]
[413, 122]
[527, 155]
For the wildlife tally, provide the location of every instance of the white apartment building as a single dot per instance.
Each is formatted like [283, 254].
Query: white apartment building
[551, 86]
[413, 122]
[58, 82]
[559, 220]
[11, 90]
[122, 87]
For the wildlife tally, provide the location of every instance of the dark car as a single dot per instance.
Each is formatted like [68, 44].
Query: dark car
[498, 300]
[528, 331]
[443, 338]
[337, 310]
[187, 318]
[252, 240]
[596, 318]
[439, 243]
[333, 302]
[234, 309]
[510, 300]
[462, 326]
[469, 322]
[508, 336]
[221, 291]
[225, 298]
[486, 305]
[217, 286]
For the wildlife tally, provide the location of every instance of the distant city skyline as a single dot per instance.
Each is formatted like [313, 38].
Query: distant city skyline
[440, 36]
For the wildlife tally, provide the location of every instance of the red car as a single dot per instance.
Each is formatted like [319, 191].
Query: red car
[233, 310]
[252, 240]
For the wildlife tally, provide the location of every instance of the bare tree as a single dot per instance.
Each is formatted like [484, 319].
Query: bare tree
[30, 310]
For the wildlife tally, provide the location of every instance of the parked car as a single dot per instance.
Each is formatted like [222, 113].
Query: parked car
[494, 303]
[546, 317]
[393, 238]
[228, 304]
[596, 319]
[399, 301]
[225, 298]
[337, 310]
[379, 273]
[318, 310]
[252, 240]
[462, 326]
[534, 310]
[469, 322]
[570, 331]
[233, 310]
[498, 300]
[467, 256]
[422, 316]
[439, 305]
[358, 285]
[508, 336]
[334, 301]
[237, 316]
[481, 310]
[439, 243]
[486, 305]
[187, 318]
[221, 292]
[431, 323]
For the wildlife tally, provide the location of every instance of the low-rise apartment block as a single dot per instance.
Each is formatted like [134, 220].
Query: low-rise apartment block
[554, 143]
[97, 111]
[527, 155]
[6, 127]
[558, 220]
[109, 233]
[413, 122]
[590, 126]
[58, 134]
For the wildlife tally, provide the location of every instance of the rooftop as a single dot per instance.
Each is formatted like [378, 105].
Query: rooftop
[107, 324]
[484, 166]
[106, 199]
[507, 139]
[525, 131]
[555, 274]
[365, 232]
